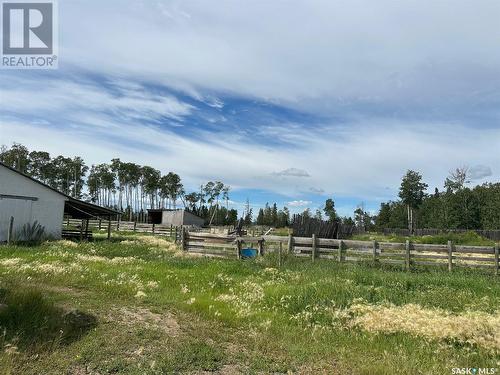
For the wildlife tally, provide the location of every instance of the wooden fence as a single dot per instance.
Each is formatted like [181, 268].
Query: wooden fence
[407, 254]
[132, 226]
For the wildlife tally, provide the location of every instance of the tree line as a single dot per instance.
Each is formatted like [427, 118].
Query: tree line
[456, 206]
[127, 187]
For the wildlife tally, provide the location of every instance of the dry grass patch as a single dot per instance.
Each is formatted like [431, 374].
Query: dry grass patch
[471, 327]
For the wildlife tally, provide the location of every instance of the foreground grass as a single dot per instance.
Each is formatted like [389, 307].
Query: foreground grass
[140, 306]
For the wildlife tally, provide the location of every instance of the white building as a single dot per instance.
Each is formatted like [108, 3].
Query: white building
[176, 218]
[28, 200]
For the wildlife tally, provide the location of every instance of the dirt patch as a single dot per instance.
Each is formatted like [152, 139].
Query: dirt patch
[225, 370]
[143, 317]
[81, 370]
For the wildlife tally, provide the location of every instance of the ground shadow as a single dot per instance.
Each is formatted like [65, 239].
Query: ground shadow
[28, 319]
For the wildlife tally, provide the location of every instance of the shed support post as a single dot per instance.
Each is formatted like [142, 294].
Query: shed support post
[86, 228]
[109, 227]
[11, 228]
[81, 230]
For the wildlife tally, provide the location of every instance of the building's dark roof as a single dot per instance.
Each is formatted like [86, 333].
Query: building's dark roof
[74, 207]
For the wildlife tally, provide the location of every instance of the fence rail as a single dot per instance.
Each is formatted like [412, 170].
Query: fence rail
[406, 254]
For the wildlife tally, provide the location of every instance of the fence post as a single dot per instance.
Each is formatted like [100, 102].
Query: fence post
[81, 231]
[135, 225]
[183, 238]
[118, 224]
[341, 247]
[280, 252]
[67, 222]
[408, 255]
[497, 265]
[109, 228]
[261, 247]
[238, 248]
[290, 244]
[375, 246]
[11, 228]
[450, 255]
[175, 240]
[171, 231]
[153, 228]
[313, 255]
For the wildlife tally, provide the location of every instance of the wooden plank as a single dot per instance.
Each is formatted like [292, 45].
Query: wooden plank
[475, 249]
[211, 251]
[327, 242]
[431, 247]
[208, 245]
[281, 239]
[428, 256]
[390, 255]
[302, 240]
[391, 246]
[357, 244]
[475, 259]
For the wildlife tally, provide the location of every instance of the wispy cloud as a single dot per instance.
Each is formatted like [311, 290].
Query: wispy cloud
[292, 172]
[299, 203]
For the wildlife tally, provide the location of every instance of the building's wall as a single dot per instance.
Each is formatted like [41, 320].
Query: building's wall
[48, 209]
[190, 219]
[181, 217]
[172, 218]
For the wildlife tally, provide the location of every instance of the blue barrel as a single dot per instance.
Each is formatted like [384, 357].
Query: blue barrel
[248, 253]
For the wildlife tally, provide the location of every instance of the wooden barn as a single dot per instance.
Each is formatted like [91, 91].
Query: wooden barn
[176, 218]
[24, 200]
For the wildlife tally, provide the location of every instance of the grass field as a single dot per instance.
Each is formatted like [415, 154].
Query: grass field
[467, 238]
[138, 305]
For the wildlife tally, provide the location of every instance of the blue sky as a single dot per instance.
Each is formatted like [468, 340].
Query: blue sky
[292, 102]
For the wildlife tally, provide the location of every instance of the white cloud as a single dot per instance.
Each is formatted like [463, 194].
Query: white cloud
[324, 54]
[299, 203]
[479, 172]
[292, 172]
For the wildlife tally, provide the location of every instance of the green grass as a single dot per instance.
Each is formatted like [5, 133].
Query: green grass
[467, 238]
[198, 314]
